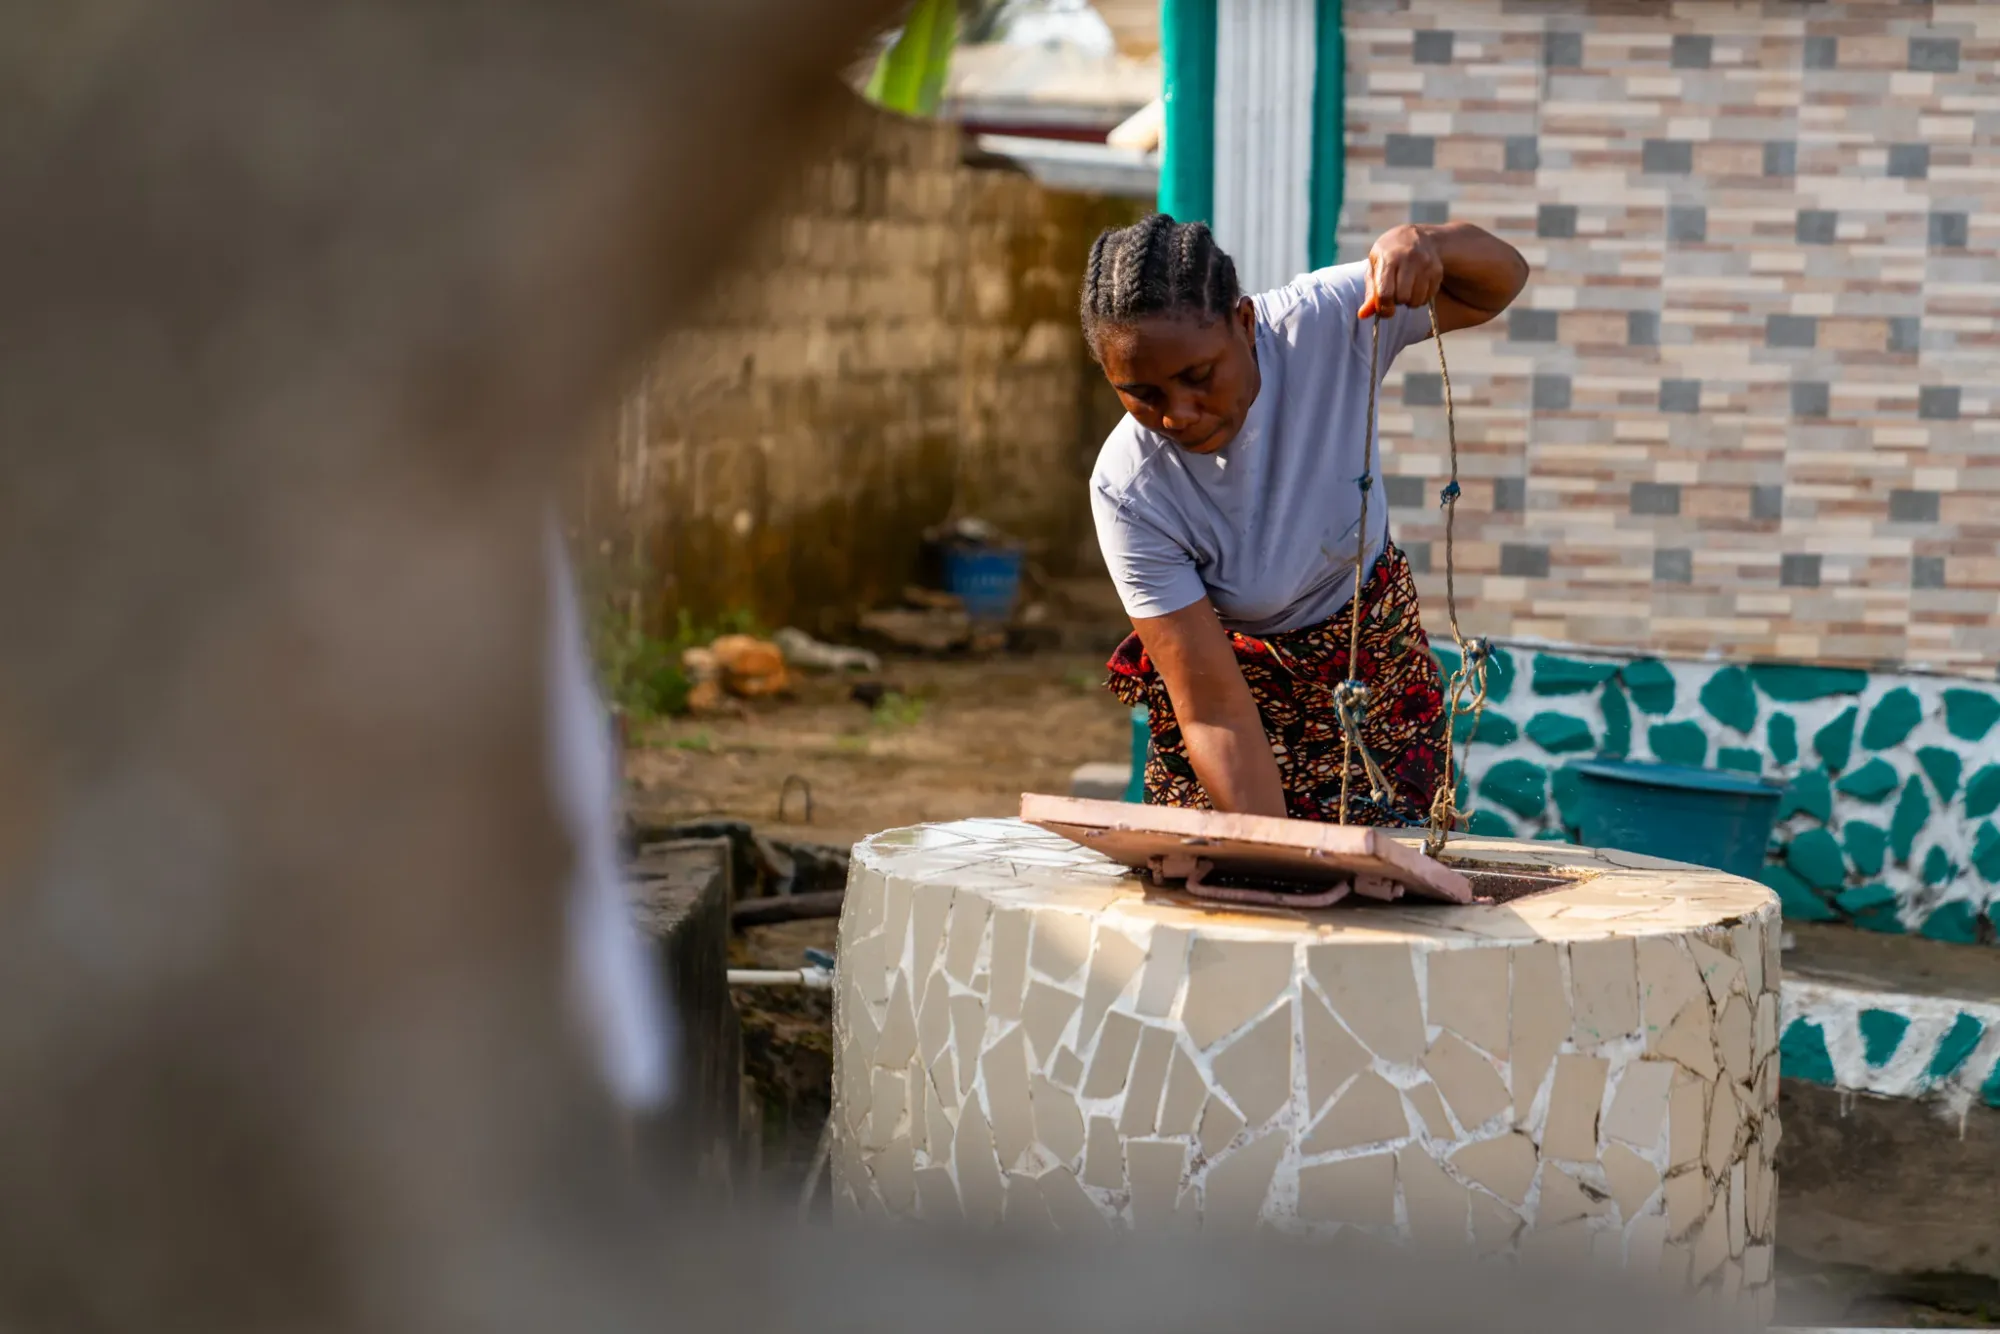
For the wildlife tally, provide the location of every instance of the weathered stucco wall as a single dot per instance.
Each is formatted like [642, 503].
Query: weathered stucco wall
[900, 348]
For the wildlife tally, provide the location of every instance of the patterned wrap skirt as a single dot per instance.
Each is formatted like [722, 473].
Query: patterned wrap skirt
[1292, 677]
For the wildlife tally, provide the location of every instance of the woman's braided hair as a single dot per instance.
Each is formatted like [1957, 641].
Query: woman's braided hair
[1157, 267]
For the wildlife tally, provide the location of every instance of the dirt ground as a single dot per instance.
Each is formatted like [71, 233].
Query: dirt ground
[960, 738]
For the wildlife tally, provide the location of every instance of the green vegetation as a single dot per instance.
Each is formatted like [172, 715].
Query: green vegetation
[642, 672]
[898, 710]
[909, 77]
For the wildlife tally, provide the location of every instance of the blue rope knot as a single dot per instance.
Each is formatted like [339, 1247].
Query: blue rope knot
[1366, 482]
[1449, 494]
[1479, 650]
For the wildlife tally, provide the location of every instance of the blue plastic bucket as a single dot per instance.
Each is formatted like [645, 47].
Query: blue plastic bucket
[986, 579]
[1707, 817]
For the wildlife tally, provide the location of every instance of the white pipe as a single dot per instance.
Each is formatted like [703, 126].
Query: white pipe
[813, 979]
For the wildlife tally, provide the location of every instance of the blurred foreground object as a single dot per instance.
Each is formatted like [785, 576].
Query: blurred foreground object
[302, 308]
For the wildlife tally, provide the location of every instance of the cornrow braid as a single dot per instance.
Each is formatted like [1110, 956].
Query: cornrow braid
[1157, 266]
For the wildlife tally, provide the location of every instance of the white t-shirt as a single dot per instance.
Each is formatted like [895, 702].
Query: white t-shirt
[1266, 526]
[612, 976]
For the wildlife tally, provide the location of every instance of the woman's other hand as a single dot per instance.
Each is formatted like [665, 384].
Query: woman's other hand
[1405, 268]
[1469, 274]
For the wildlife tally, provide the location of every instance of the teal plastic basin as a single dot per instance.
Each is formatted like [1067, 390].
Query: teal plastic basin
[1707, 817]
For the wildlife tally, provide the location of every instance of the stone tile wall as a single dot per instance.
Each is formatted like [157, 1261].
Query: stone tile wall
[899, 346]
[1747, 403]
[1892, 782]
[1892, 1044]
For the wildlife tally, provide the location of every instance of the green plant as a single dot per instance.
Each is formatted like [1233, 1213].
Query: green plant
[898, 710]
[642, 673]
[909, 77]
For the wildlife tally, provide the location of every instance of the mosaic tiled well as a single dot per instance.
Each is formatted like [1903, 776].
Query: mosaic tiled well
[1026, 1035]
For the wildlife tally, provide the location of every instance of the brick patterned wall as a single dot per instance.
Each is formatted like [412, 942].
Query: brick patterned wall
[901, 347]
[1747, 403]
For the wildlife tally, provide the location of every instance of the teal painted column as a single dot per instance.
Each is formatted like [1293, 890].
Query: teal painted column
[1187, 160]
[1329, 146]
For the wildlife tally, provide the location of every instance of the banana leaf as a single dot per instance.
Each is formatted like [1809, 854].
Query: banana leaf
[909, 77]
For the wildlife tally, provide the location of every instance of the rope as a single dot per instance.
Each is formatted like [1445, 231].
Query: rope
[1350, 698]
[1473, 654]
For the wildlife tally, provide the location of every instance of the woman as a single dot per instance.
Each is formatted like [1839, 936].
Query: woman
[1228, 505]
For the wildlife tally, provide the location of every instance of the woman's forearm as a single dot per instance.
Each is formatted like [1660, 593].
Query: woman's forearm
[1233, 760]
[1480, 270]
[1218, 717]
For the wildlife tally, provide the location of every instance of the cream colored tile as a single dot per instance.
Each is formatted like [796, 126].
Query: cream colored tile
[1430, 1111]
[1166, 965]
[1774, 965]
[1468, 995]
[929, 912]
[896, 896]
[934, 1018]
[1149, 1078]
[1045, 1016]
[1711, 1250]
[1369, 1112]
[1756, 1265]
[1185, 1092]
[1574, 1103]
[1112, 966]
[1104, 1156]
[1067, 1069]
[937, 1194]
[1766, 1305]
[1467, 1079]
[1023, 1209]
[1156, 1167]
[1058, 1121]
[1668, 981]
[1074, 1212]
[1719, 970]
[1061, 944]
[1219, 1124]
[1112, 1061]
[888, 1104]
[1358, 1190]
[1009, 964]
[1765, 1030]
[1604, 981]
[1563, 1198]
[1539, 1023]
[1724, 1120]
[1732, 1284]
[1494, 1225]
[898, 1042]
[1236, 1185]
[937, 1124]
[980, 1189]
[1229, 983]
[1255, 1069]
[1676, 1258]
[1739, 1189]
[964, 932]
[1747, 944]
[1332, 1054]
[856, 1081]
[1632, 1180]
[866, 907]
[1607, 1249]
[1733, 1032]
[1645, 1241]
[1639, 1107]
[1690, 1040]
[895, 1172]
[1437, 1207]
[866, 964]
[1687, 1195]
[1373, 988]
[1561, 1247]
[1687, 1120]
[1504, 1164]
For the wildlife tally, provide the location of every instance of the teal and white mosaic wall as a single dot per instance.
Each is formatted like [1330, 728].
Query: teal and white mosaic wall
[1891, 814]
[1891, 1044]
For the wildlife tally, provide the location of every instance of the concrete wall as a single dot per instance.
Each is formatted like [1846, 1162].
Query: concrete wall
[1747, 403]
[901, 348]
